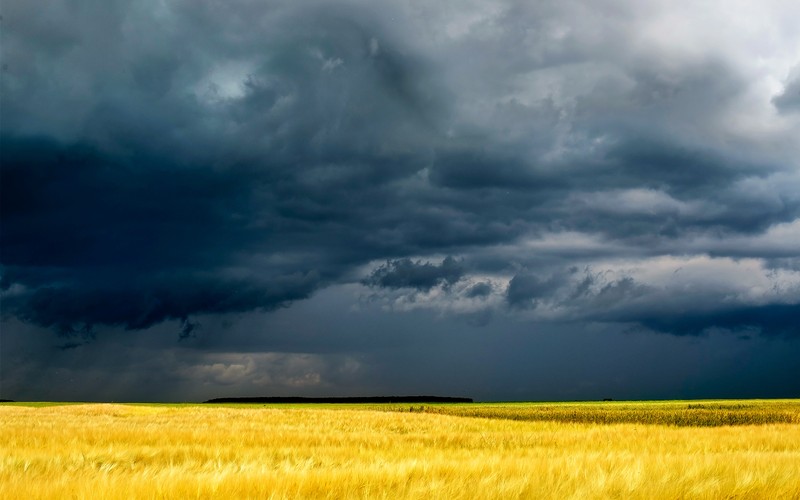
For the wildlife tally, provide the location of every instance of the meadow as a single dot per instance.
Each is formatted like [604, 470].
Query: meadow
[674, 449]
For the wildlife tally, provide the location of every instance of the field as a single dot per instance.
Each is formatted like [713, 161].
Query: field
[675, 449]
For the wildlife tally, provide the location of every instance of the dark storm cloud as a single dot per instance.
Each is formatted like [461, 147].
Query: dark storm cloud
[100, 239]
[169, 204]
[245, 156]
[72, 309]
[405, 273]
[744, 319]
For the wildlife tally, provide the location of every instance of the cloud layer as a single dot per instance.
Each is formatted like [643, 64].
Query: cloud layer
[565, 162]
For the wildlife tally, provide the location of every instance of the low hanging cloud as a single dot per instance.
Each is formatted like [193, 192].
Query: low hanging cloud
[243, 158]
[525, 289]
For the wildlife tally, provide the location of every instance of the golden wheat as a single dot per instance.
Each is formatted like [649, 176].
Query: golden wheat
[126, 451]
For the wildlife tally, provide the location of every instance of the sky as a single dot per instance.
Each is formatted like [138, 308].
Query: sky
[506, 200]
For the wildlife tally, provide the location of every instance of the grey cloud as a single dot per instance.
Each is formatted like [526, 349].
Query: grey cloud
[477, 169]
[480, 289]
[791, 263]
[567, 287]
[788, 101]
[691, 312]
[681, 170]
[525, 289]
[687, 307]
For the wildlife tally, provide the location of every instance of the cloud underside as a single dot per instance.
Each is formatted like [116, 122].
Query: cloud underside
[242, 159]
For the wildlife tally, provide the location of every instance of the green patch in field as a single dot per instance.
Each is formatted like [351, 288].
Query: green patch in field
[676, 413]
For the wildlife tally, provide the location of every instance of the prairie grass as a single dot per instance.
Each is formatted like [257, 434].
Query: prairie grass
[137, 451]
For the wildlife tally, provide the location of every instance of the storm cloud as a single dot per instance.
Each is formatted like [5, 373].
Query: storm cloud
[561, 164]
[404, 273]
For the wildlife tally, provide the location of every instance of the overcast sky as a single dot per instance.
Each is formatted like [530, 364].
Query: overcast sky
[541, 200]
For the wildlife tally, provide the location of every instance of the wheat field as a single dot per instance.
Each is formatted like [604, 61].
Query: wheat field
[394, 451]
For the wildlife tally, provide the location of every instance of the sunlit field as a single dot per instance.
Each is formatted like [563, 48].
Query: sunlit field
[589, 450]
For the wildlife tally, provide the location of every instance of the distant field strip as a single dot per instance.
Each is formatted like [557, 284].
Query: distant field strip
[114, 451]
[681, 413]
